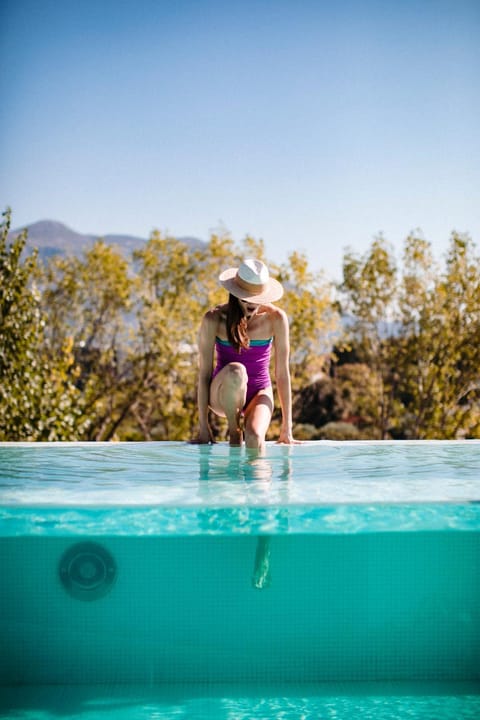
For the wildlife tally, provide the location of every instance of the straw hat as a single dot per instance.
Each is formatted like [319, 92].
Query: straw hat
[252, 282]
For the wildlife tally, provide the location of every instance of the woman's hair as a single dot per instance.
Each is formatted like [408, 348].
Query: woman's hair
[236, 325]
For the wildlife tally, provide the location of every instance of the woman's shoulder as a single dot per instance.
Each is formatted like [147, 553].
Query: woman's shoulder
[215, 314]
[210, 327]
[278, 321]
[276, 314]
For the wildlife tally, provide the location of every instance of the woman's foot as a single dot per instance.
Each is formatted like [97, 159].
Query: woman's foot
[236, 437]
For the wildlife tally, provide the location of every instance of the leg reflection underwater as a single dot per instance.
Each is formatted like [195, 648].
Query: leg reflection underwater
[252, 473]
[261, 577]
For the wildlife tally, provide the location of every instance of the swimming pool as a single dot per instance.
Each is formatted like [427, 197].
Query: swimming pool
[167, 580]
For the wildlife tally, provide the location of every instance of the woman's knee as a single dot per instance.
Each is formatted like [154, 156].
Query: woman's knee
[254, 437]
[236, 375]
[230, 392]
[257, 419]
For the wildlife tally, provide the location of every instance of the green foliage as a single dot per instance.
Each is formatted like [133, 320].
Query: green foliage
[339, 431]
[369, 294]
[308, 302]
[38, 400]
[369, 287]
[438, 351]
[419, 335]
[168, 315]
[87, 300]
[358, 388]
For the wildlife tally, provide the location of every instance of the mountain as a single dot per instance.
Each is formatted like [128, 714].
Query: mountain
[55, 238]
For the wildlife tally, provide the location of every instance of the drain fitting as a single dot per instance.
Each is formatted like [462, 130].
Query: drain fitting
[87, 571]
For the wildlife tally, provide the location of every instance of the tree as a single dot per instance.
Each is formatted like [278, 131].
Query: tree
[167, 320]
[419, 335]
[369, 296]
[88, 299]
[438, 351]
[308, 302]
[38, 400]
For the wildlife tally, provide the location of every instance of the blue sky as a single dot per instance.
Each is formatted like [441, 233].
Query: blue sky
[312, 125]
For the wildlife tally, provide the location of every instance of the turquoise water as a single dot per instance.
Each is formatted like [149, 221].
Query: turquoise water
[337, 701]
[180, 489]
[328, 580]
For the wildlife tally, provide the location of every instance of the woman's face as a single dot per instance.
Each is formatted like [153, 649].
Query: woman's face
[249, 309]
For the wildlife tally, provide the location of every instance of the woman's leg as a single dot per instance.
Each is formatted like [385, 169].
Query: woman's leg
[257, 419]
[258, 415]
[228, 392]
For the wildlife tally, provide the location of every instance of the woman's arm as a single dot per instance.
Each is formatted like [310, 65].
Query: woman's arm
[282, 373]
[206, 344]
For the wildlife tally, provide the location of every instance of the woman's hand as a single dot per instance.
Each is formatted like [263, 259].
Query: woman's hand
[286, 438]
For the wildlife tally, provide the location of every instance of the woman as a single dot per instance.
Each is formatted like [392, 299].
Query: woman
[242, 332]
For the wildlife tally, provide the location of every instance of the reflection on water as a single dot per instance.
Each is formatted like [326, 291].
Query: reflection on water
[246, 465]
[178, 488]
[164, 474]
[253, 470]
[251, 478]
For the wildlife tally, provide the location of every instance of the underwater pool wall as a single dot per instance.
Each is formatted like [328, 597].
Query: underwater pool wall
[346, 607]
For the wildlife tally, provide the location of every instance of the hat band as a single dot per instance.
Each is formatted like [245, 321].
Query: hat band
[255, 288]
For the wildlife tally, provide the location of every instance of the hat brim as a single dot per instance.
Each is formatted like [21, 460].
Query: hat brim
[271, 293]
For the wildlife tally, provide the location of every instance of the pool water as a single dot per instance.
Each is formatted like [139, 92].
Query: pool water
[164, 580]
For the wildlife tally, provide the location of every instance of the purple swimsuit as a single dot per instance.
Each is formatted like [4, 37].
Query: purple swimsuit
[256, 359]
